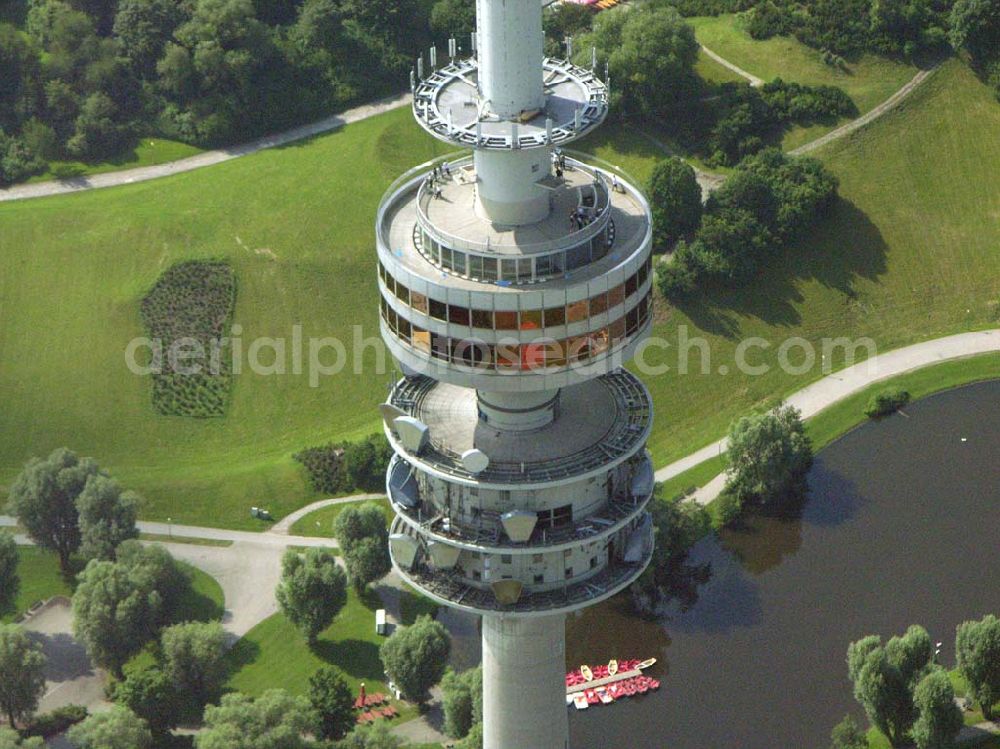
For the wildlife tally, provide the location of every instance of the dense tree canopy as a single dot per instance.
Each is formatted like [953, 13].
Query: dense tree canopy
[22, 675]
[977, 644]
[10, 739]
[312, 590]
[675, 197]
[462, 701]
[939, 718]
[194, 659]
[275, 720]
[150, 694]
[117, 728]
[9, 580]
[107, 517]
[333, 702]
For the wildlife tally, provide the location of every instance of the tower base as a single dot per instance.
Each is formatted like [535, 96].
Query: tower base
[524, 683]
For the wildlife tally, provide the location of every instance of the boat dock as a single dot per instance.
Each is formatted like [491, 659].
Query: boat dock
[603, 682]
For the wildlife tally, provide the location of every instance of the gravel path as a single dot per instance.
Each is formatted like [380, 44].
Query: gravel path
[890, 103]
[754, 80]
[141, 174]
[835, 387]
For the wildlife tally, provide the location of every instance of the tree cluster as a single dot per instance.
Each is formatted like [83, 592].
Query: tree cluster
[975, 27]
[760, 208]
[342, 467]
[312, 590]
[83, 78]
[905, 694]
[364, 540]
[68, 504]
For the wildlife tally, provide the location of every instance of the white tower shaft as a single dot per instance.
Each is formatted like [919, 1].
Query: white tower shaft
[524, 668]
[510, 53]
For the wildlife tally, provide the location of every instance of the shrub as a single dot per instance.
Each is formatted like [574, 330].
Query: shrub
[344, 466]
[191, 303]
[886, 402]
[55, 721]
[17, 160]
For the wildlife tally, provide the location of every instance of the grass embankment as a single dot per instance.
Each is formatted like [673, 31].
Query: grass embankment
[320, 522]
[869, 80]
[908, 254]
[146, 152]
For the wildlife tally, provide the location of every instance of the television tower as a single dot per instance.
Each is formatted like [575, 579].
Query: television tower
[515, 282]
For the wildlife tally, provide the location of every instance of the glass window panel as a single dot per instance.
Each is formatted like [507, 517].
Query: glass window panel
[489, 269]
[577, 311]
[403, 328]
[421, 340]
[599, 342]
[543, 266]
[419, 302]
[524, 272]
[533, 355]
[641, 275]
[555, 354]
[617, 329]
[555, 316]
[616, 295]
[458, 258]
[531, 319]
[508, 269]
[631, 322]
[475, 266]
[506, 320]
[631, 285]
[439, 346]
[508, 356]
[446, 258]
[578, 256]
[458, 315]
[403, 293]
[482, 318]
[598, 304]
[439, 310]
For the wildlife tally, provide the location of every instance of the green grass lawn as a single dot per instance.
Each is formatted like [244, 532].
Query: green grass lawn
[909, 254]
[40, 579]
[148, 151]
[320, 522]
[869, 80]
[274, 654]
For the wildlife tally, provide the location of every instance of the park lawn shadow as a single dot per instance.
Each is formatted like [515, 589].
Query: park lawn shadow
[836, 252]
[244, 652]
[413, 605]
[195, 606]
[357, 658]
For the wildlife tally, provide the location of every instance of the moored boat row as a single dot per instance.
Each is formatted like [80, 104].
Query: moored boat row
[604, 684]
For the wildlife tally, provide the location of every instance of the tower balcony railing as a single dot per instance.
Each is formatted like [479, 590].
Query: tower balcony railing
[601, 216]
[627, 435]
[488, 534]
[451, 588]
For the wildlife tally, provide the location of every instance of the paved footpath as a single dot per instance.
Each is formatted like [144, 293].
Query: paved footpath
[753, 80]
[835, 387]
[207, 158]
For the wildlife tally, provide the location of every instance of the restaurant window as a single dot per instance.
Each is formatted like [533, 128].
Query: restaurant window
[598, 304]
[505, 320]
[439, 346]
[616, 295]
[555, 316]
[482, 318]
[569, 572]
[508, 269]
[531, 319]
[577, 311]
[475, 266]
[555, 354]
[489, 269]
[403, 293]
[539, 579]
[403, 328]
[617, 329]
[438, 310]
[421, 340]
[577, 257]
[419, 302]
[506, 558]
[630, 285]
[458, 315]
[524, 269]
[631, 322]
[508, 356]
[476, 575]
[537, 558]
[642, 274]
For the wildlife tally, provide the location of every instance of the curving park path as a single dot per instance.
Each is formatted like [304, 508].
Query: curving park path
[839, 385]
[751, 78]
[207, 158]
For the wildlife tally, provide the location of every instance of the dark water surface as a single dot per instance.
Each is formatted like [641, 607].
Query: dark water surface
[902, 526]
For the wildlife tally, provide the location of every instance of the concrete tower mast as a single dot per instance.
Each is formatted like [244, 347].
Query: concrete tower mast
[515, 282]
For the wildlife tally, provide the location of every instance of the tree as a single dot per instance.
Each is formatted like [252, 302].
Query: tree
[115, 612]
[118, 728]
[675, 197]
[367, 560]
[319, 23]
[275, 720]
[99, 130]
[354, 523]
[847, 734]
[154, 568]
[312, 590]
[374, 736]
[194, 658]
[142, 28]
[10, 739]
[977, 645]
[769, 455]
[650, 52]
[474, 740]
[365, 462]
[885, 679]
[9, 580]
[150, 694]
[107, 517]
[939, 719]
[22, 673]
[43, 496]
[415, 657]
[453, 18]
[462, 701]
[975, 25]
[333, 702]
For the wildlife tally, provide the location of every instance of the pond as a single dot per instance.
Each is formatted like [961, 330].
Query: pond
[901, 526]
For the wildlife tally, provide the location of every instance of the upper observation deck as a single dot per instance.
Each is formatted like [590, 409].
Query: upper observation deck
[433, 230]
[448, 104]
